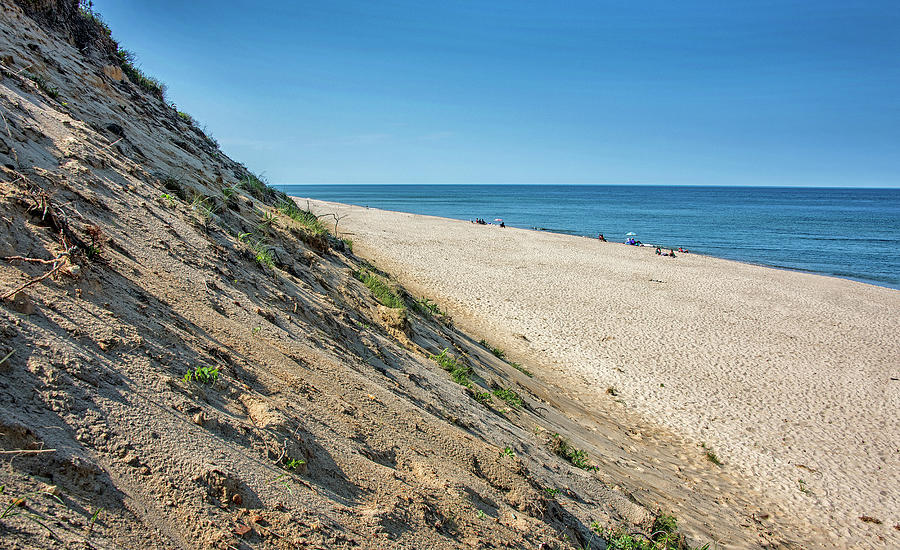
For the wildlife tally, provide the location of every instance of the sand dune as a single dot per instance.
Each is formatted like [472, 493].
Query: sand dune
[790, 378]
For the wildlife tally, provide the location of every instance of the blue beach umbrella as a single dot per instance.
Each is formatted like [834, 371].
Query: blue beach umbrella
[631, 234]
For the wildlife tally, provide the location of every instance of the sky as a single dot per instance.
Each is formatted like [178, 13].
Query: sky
[657, 92]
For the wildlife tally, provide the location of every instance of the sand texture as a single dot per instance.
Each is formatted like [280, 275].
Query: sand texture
[789, 378]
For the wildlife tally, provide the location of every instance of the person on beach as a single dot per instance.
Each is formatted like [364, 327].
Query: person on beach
[601, 238]
[658, 251]
[671, 253]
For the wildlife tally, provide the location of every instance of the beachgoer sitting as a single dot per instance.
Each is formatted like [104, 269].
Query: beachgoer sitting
[671, 253]
[502, 224]
[658, 251]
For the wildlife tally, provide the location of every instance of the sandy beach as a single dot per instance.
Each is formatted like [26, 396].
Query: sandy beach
[789, 378]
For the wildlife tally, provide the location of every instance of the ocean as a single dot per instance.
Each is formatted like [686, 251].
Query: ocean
[848, 233]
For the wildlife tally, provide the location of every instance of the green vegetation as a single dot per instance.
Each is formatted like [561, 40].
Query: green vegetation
[520, 368]
[482, 397]
[262, 254]
[186, 117]
[458, 371]
[496, 351]
[168, 198]
[43, 85]
[578, 458]
[201, 207]
[267, 220]
[348, 243]
[509, 452]
[664, 536]
[18, 506]
[552, 493]
[304, 217]
[380, 289]
[511, 397]
[149, 84]
[711, 456]
[293, 463]
[425, 306]
[202, 374]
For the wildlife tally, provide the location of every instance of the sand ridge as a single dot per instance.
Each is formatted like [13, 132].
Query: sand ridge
[790, 378]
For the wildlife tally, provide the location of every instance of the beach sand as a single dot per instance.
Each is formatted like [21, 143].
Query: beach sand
[789, 378]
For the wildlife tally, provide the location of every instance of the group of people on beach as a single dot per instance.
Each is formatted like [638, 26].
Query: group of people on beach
[634, 242]
[480, 221]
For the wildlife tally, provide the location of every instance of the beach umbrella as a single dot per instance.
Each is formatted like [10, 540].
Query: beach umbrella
[631, 234]
[498, 219]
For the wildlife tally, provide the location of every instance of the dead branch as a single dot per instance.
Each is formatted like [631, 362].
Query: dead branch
[27, 451]
[40, 278]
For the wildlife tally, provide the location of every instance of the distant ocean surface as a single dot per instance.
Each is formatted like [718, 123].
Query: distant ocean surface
[849, 233]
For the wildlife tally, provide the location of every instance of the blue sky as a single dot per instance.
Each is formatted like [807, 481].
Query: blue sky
[394, 91]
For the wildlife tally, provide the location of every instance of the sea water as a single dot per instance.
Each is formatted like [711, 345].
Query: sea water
[849, 233]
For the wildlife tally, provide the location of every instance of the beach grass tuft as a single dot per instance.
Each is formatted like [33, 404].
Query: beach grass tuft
[382, 291]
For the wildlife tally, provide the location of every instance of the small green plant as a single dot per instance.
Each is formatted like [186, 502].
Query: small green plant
[711, 456]
[480, 514]
[186, 117]
[255, 330]
[284, 480]
[94, 517]
[267, 220]
[577, 457]
[383, 292]
[255, 185]
[521, 369]
[482, 397]
[426, 307]
[804, 488]
[147, 83]
[507, 451]
[304, 217]
[169, 199]
[43, 85]
[458, 371]
[229, 192]
[202, 209]
[510, 396]
[293, 463]
[202, 374]
[18, 506]
[348, 243]
[263, 255]
[551, 492]
[244, 237]
[665, 524]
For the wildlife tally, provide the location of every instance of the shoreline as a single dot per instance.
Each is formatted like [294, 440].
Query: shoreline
[872, 282]
[778, 371]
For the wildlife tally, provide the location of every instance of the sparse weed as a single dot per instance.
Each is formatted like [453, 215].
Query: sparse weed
[262, 254]
[551, 492]
[511, 397]
[202, 374]
[94, 517]
[255, 331]
[146, 83]
[186, 117]
[507, 451]
[804, 488]
[267, 220]
[480, 514]
[482, 397]
[425, 306]
[520, 368]
[380, 289]
[304, 217]
[18, 506]
[577, 457]
[43, 85]
[348, 243]
[229, 192]
[168, 198]
[711, 456]
[293, 463]
[202, 209]
[458, 371]
[664, 536]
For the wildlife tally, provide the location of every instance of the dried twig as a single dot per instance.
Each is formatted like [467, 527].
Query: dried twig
[27, 451]
[36, 280]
